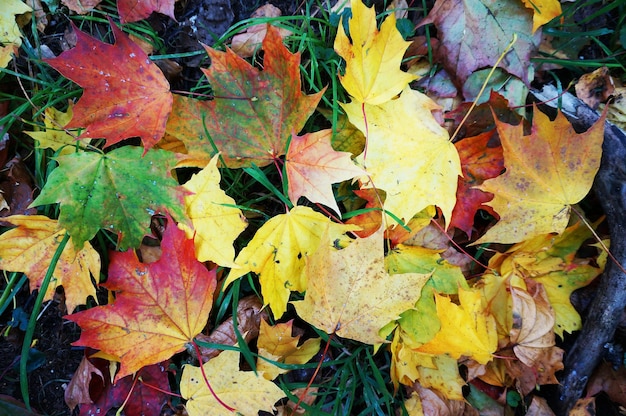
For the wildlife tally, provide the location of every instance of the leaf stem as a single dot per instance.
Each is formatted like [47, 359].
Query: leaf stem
[598, 239]
[32, 322]
[317, 370]
[206, 380]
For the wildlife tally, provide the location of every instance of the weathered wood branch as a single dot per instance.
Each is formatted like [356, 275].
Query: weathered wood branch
[606, 308]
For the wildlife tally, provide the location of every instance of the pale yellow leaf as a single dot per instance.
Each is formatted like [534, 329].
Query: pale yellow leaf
[244, 391]
[216, 221]
[408, 154]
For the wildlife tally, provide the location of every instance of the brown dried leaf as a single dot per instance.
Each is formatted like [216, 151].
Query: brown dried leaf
[539, 407]
[249, 317]
[612, 382]
[77, 391]
[246, 43]
[595, 87]
[584, 407]
[16, 186]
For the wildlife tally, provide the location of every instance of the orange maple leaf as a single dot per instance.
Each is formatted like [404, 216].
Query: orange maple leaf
[159, 308]
[29, 248]
[546, 172]
[313, 166]
[125, 94]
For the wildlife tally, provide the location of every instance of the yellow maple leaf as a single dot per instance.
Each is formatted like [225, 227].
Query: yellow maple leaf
[409, 154]
[10, 36]
[216, 221]
[546, 172]
[550, 260]
[466, 329]
[276, 343]
[278, 251]
[244, 391]
[352, 294]
[29, 248]
[438, 372]
[54, 137]
[373, 58]
[543, 11]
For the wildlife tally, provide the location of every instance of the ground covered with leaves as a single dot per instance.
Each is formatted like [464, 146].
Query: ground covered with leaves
[315, 208]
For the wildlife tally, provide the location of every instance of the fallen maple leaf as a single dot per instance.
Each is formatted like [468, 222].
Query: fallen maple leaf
[277, 344]
[54, 137]
[546, 172]
[474, 33]
[10, 35]
[408, 154]
[118, 191]
[244, 391]
[373, 58]
[248, 318]
[29, 248]
[254, 112]
[246, 43]
[466, 329]
[134, 10]
[612, 381]
[81, 6]
[543, 11]
[313, 166]
[216, 221]
[77, 390]
[143, 393]
[352, 293]
[159, 307]
[278, 252]
[478, 162]
[125, 94]
[533, 321]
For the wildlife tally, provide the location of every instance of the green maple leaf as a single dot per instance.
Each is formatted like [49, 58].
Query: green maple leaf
[254, 111]
[118, 191]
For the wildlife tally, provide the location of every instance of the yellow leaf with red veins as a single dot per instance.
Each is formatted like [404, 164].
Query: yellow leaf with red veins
[216, 221]
[29, 249]
[543, 11]
[244, 391]
[313, 166]
[276, 343]
[546, 171]
[278, 252]
[408, 154]
[466, 329]
[352, 293]
[373, 57]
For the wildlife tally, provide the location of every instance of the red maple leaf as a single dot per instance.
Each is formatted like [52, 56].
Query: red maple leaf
[125, 94]
[159, 308]
[140, 392]
[478, 162]
[134, 10]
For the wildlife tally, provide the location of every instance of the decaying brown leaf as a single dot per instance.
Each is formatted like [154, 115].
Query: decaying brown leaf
[249, 317]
